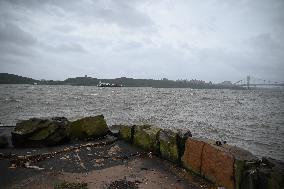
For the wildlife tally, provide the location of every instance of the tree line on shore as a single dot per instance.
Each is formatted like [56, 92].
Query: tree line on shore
[6, 78]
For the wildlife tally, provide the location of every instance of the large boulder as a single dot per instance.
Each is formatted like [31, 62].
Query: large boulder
[263, 174]
[126, 133]
[169, 148]
[218, 165]
[242, 158]
[183, 135]
[146, 137]
[273, 170]
[88, 128]
[192, 156]
[40, 132]
[3, 141]
[222, 164]
[114, 130]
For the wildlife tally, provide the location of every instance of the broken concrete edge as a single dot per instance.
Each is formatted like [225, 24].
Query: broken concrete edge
[223, 165]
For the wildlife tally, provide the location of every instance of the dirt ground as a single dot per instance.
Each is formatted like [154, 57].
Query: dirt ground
[114, 165]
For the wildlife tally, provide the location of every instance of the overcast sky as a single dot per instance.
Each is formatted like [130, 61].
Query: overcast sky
[212, 40]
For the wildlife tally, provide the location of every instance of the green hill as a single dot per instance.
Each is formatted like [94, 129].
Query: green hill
[6, 78]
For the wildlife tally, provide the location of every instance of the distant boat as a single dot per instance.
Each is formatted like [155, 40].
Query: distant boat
[108, 85]
[34, 83]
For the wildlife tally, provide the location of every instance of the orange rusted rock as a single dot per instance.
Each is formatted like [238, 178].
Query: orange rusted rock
[224, 165]
[218, 165]
[192, 156]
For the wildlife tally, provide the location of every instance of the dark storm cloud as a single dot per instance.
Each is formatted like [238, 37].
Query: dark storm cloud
[15, 50]
[117, 12]
[11, 33]
[211, 39]
[15, 41]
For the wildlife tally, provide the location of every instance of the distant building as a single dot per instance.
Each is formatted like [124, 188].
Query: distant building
[108, 85]
[197, 82]
[226, 83]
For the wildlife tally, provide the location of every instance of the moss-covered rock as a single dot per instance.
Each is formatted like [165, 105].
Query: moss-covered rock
[88, 128]
[40, 132]
[146, 137]
[169, 145]
[239, 166]
[242, 158]
[3, 142]
[126, 133]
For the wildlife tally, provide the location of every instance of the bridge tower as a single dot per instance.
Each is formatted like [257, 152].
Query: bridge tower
[248, 81]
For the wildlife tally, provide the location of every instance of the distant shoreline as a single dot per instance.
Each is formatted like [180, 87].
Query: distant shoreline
[234, 88]
[6, 78]
[228, 88]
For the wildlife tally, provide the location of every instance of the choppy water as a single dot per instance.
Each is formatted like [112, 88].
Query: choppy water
[251, 119]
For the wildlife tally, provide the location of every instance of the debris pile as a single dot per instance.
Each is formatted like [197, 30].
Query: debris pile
[71, 185]
[124, 184]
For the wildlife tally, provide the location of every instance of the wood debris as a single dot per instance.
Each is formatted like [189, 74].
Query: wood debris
[27, 165]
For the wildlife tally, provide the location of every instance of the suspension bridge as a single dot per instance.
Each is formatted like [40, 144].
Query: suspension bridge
[251, 81]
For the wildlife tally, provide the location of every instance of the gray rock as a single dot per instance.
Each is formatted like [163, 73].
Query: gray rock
[89, 128]
[3, 142]
[37, 132]
[126, 133]
[146, 137]
[169, 148]
[183, 135]
[265, 174]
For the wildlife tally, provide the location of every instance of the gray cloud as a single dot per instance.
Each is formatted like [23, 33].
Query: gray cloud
[15, 50]
[121, 13]
[64, 28]
[64, 48]
[11, 33]
[265, 42]
[15, 42]
[212, 40]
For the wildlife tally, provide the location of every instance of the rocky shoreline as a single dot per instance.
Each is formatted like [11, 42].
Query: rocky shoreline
[223, 165]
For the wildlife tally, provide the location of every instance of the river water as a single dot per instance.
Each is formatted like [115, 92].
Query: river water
[251, 119]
